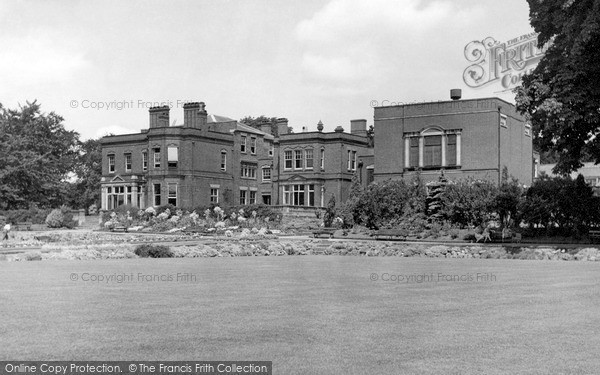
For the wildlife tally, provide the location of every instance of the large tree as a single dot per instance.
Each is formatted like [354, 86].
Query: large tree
[561, 96]
[37, 155]
[85, 191]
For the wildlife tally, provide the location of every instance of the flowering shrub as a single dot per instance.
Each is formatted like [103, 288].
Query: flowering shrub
[59, 218]
[55, 219]
[219, 213]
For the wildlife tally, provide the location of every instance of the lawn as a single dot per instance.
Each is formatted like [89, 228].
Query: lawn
[309, 315]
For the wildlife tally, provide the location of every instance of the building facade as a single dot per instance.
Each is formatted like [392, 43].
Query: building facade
[212, 159]
[313, 166]
[476, 138]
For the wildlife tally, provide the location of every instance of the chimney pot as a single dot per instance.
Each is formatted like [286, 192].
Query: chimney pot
[455, 94]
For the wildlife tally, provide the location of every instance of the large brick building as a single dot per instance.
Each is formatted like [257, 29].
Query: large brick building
[215, 159]
[475, 138]
[312, 166]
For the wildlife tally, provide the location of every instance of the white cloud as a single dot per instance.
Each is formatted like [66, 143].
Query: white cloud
[357, 43]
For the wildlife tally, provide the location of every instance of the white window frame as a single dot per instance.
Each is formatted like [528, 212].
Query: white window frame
[298, 160]
[172, 156]
[156, 157]
[223, 160]
[144, 160]
[169, 196]
[214, 195]
[286, 159]
[128, 162]
[253, 145]
[111, 163]
[156, 194]
[264, 175]
[421, 141]
[323, 158]
[349, 156]
[243, 144]
[287, 195]
[248, 170]
[309, 151]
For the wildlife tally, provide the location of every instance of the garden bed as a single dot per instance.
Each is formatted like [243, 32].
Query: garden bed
[259, 246]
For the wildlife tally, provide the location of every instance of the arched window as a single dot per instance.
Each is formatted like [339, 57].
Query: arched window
[432, 148]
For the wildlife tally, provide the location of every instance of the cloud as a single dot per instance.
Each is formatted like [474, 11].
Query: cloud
[355, 43]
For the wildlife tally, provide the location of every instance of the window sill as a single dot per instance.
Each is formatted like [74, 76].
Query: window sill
[433, 167]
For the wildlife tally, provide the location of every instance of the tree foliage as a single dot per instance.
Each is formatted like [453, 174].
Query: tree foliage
[561, 205]
[85, 191]
[37, 155]
[385, 203]
[469, 202]
[256, 123]
[561, 97]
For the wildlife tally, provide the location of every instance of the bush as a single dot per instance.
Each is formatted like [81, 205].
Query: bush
[469, 202]
[55, 218]
[330, 212]
[153, 251]
[33, 214]
[60, 218]
[386, 203]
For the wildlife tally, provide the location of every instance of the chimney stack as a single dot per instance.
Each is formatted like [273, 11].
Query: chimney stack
[194, 115]
[358, 127]
[159, 116]
[282, 126]
[265, 127]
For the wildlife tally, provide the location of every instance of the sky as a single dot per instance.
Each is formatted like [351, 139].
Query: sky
[102, 64]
